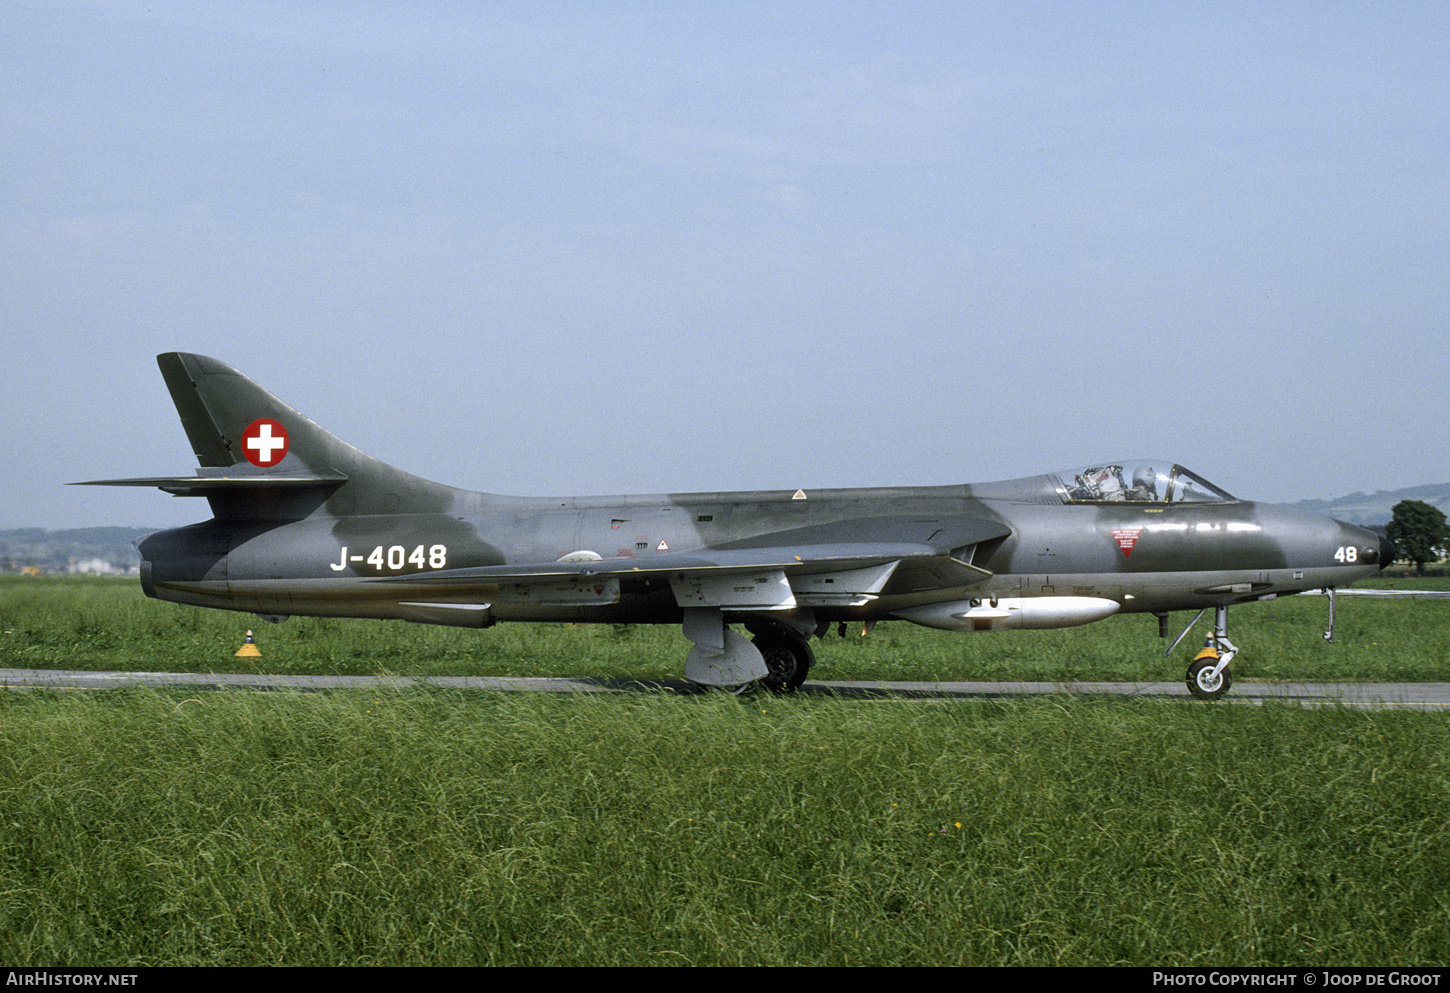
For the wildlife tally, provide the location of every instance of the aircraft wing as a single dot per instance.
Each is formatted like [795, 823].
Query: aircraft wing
[774, 571]
[936, 534]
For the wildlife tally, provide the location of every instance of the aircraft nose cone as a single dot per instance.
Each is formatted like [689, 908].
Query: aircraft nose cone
[1388, 552]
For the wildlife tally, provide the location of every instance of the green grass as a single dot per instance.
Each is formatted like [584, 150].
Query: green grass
[146, 827]
[79, 623]
[415, 826]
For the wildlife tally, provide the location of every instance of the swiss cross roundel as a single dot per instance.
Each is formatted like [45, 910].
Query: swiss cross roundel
[265, 442]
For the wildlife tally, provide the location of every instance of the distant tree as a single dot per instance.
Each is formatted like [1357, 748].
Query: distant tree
[1419, 532]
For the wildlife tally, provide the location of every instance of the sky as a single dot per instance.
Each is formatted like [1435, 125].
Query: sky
[550, 248]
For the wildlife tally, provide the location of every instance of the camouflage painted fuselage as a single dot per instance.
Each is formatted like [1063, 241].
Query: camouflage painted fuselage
[1145, 558]
[304, 523]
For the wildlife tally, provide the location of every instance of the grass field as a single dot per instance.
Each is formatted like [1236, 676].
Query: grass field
[405, 827]
[98, 624]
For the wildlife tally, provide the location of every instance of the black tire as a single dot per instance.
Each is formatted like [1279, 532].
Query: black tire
[787, 659]
[1202, 685]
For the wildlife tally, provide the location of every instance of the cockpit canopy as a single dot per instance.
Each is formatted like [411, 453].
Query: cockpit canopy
[1138, 481]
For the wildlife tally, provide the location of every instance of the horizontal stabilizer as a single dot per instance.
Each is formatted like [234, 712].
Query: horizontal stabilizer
[214, 485]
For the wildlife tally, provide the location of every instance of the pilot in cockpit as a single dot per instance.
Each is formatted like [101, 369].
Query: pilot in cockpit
[1145, 484]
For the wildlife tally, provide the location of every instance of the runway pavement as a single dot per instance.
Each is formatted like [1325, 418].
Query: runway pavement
[1418, 696]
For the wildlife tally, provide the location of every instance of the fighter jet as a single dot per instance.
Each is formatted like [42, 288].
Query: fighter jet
[303, 523]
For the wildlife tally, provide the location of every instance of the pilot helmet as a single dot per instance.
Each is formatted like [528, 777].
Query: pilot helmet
[1145, 478]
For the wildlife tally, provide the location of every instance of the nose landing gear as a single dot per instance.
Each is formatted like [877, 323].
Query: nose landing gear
[1208, 676]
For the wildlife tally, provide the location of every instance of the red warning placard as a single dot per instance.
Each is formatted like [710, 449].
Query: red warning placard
[1127, 538]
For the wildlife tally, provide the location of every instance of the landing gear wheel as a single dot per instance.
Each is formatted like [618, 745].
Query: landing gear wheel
[788, 659]
[1202, 682]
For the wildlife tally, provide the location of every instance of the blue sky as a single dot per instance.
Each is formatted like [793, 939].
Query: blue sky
[549, 248]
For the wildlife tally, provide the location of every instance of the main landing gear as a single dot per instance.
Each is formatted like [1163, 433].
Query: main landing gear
[788, 655]
[779, 657]
[1208, 676]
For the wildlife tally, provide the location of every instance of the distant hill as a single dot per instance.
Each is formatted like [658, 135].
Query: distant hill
[75, 550]
[1376, 509]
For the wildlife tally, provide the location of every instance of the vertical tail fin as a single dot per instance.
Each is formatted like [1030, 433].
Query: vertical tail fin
[232, 422]
[277, 462]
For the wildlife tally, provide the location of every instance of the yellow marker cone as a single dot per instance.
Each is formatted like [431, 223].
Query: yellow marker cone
[249, 647]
